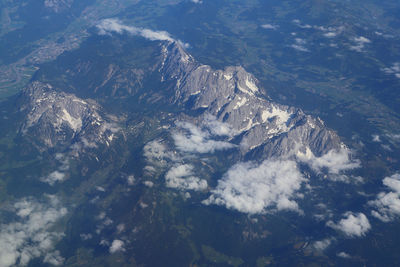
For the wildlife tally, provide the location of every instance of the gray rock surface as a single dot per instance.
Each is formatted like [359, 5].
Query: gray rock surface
[58, 119]
[233, 96]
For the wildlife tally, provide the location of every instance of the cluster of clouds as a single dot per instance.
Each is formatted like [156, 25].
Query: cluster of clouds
[352, 225]
[30, 234]
[105, 222]
[394, 69]
[182, 177]
[58, 175]
[192, 139]
[189, 139]
[328, 32]
[387, 204]
[359, 43]
[108, 26]
[300, 45]
[247, 187]
[334, 163]
[257, 188]
[156, 153]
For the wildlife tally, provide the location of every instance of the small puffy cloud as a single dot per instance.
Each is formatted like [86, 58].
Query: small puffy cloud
[299, 24]
[387, 204]
[362, 40]
[53, 258]
[148, 183]
[359, 43]
[192, 139]
[217, 127]
[58, 175]
[256, 188]
[330, 34]
[130, 179]
[85, 237]
[181, 177]
[53, 177]
[322, 244]
[299, 45]
[376, 138]
[270, 26]
[155, 150]
[352, 225]
[343, 255]
[30, 234]
[117, 246]
[334, 162]
[197, 1]
[108, 26]
[394, 138]
[299, 48]
[394, 69]
[157, 154]
[100, 188]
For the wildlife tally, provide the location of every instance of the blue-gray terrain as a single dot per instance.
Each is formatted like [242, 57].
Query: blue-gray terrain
[199, 133]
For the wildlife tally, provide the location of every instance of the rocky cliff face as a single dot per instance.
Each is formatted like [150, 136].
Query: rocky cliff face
[58, 119]
[233, 96]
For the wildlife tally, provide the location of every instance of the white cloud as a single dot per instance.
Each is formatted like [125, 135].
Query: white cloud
[217, 127]
[299, 45]
[322, 244]
[116, 246]
[195, 140]
[299, 48]
[53, 177]
[359, 43]
[270, 26]
[334, 162]
[387, 204]
[156, 153]
[343, 255]
[100, 188]
[300, 41]
[148, 183]
[352, 225]
[181, 177]
[394, 138]
[394, 69]
[58, 175]
[303, 26]
[197, 1]
[376, 138]
[85, 237]
[330, 34]
[251, 188]
[30, 234]
[107, 26]
[130, 179]
[54, 258]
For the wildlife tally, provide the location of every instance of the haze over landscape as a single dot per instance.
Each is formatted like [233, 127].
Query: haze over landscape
[199, 133]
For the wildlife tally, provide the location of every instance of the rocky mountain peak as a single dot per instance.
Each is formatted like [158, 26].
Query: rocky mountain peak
[233, 96]
[58, 119]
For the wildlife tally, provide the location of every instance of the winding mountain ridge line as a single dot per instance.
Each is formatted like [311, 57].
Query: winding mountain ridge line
[260, 127]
